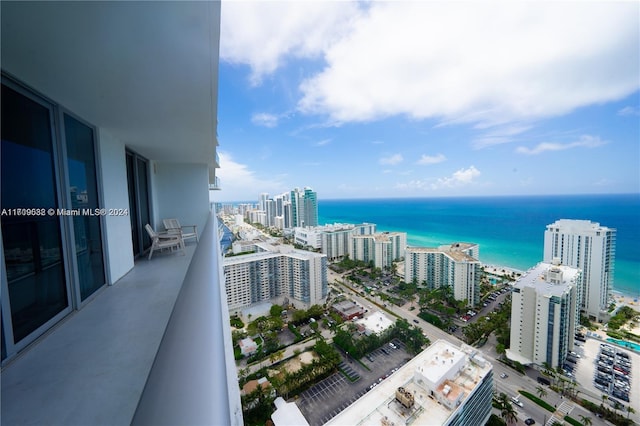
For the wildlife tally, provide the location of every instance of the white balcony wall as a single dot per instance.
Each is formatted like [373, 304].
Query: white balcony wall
[119, 247]
[180, 191]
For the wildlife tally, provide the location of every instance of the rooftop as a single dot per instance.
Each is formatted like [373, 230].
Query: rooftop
[439, 378]
[454, 251]
[549, 279]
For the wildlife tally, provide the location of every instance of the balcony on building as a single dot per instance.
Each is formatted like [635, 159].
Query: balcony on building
[112, 105]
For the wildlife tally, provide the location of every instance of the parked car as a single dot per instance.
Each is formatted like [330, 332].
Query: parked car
[529, 421]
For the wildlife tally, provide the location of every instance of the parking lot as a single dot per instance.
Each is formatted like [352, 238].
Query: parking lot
[327, 398]
[603, 371]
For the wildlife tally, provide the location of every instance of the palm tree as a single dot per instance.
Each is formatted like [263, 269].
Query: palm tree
[586, 420]
[541, 392]
[548, 371]
[508, 413]
[630, 410]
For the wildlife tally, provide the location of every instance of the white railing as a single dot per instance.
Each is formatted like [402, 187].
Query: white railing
[193, 380]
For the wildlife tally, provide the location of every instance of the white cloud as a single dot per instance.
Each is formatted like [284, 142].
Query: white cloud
[431, 159]
[264, 34]
[585, 141]
[499, 135]
[265, 119]
[323, 142]
[393, 160]
[629, 111]
[460, 178]
[482, 62]
[239, 183]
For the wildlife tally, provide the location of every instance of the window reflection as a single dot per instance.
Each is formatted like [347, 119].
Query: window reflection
[83, 189]
[32, 243]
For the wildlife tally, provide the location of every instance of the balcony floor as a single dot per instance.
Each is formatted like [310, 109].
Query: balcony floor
[91, 368]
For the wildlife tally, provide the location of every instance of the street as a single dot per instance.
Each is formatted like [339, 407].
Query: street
[510, 385]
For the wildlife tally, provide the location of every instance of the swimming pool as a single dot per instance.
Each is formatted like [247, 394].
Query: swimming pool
[630, 345]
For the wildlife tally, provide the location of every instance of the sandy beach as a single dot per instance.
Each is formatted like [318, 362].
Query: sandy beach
[500, 270]
[625, 300]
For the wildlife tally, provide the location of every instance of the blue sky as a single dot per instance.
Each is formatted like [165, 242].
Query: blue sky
[428, 99]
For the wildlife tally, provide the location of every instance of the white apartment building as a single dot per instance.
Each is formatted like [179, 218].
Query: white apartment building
[274, 273]
[332, 240]
[544, 314]
[308, 237]
[589, 247]
[442, 385]
[335, 238]
[381, 248]
[455, 265]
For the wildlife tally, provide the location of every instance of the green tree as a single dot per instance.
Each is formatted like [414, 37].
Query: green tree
[586, 420]
[507, 412]
[630, 410]
[276, 311]
[541, 391]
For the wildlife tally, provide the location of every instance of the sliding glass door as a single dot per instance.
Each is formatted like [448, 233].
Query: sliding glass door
[51, 240]
[83, 192]
[34, 258]
[139, 204]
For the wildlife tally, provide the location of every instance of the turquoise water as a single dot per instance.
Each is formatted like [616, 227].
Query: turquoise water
[631, 345]
[509, 230]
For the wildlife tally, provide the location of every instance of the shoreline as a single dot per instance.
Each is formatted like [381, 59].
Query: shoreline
[619, 297]
[626, 300]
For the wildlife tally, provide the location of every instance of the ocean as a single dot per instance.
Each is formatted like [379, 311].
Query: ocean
[509, 230]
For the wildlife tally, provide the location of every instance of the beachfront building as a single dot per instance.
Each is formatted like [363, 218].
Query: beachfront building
[544, 314]
[442, 385]
[334, 241]
[304, 207]
[381, 249]
[454, 265]
[589, 247]
[111, 105]
[331, 240]
[273, 274]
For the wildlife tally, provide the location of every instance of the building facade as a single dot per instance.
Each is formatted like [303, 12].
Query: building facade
[92, 109]
[304, 207]
[589, 247]
[544, 314]
[381, 249]
[273, 273]
[455, 266]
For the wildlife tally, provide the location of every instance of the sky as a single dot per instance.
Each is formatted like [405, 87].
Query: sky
[428, 99]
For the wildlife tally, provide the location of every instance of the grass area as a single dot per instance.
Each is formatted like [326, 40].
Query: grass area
[538, 401]
[571, 420]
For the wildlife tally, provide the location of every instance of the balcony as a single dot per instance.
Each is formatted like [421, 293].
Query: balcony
[215, 186]
[152, 349]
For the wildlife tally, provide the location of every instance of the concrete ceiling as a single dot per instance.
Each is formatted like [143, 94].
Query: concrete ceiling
[145, 71]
